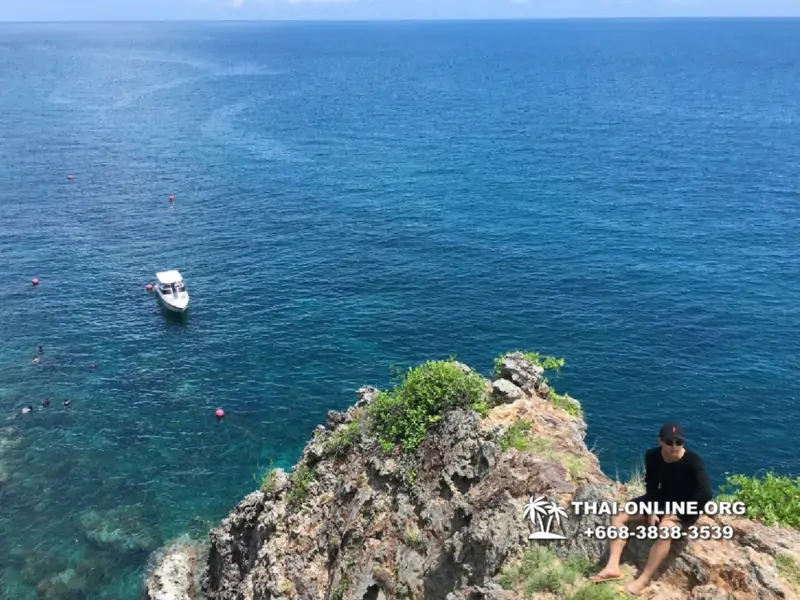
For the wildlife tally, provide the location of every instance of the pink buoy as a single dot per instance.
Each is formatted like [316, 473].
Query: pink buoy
[220, 414]
[172, 198]
[35, 281]
[149, 287]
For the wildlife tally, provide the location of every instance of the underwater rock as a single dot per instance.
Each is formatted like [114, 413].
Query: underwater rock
[121, 529]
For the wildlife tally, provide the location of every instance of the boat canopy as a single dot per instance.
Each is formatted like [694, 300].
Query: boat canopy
[169, 277]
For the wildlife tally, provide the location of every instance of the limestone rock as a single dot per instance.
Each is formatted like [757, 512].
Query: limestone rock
[505, 391]
[174, 575]
[520, 371]
[366, 394]
[443, 522]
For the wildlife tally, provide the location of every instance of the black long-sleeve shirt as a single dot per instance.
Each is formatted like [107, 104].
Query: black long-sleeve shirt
[684, 480]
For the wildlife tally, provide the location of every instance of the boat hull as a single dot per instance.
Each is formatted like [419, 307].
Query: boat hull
[180, 306]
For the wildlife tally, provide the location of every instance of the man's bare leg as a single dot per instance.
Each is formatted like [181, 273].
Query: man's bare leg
[615, 547]
[658, 553]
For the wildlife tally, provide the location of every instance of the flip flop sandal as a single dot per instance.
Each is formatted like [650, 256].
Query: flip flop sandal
[596, 579]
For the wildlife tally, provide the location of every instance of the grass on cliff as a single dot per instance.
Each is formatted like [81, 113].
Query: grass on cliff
[789, 569]
[772, 499]
[519, 437]
[540, 571]
[403, 415]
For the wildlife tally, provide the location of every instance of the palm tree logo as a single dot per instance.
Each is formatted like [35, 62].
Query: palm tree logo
[538, 508]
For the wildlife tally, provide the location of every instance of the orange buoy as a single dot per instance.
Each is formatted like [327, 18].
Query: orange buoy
[149, 287]
[35, 281]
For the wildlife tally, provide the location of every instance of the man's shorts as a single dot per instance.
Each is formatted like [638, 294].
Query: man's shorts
[686, 520]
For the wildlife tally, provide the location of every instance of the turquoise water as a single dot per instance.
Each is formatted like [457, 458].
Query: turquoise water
[355, 196]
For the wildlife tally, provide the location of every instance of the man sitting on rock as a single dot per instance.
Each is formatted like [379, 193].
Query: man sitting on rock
[673, 473]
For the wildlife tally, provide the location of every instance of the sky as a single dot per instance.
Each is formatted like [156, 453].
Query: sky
[146, 10]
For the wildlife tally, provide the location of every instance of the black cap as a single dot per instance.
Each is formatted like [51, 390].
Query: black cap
[671, 431]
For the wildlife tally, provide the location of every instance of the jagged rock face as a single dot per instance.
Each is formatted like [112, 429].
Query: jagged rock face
[455, 526]
[443, 523]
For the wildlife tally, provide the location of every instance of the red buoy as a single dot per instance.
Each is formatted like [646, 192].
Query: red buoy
[35, 281]
[149, 287]
[220, 414]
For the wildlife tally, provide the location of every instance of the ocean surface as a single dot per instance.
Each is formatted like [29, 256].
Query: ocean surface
[354, 196]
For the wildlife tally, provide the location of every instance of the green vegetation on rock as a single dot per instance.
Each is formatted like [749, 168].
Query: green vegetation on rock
[593, 591]
[539, 570]
[301, 480]
[772, 499]
[402, 416]
[565, 402]
[268, 481]
[341, 588]
[343, 438]
[789, 569]
[519, 437]
[516, 436]
[548, 363]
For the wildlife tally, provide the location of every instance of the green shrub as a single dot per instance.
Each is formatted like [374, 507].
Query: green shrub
[344, 437]
[424, 393]
[301, 480]
[268, 481]
[594, 591]
[772, 499]
[565, 402]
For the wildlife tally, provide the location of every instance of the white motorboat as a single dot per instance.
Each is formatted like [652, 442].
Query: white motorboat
[172, 291]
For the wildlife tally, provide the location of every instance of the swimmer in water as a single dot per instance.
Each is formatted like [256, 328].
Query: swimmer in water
[41, 350]
[35, 360]
[45, 403]
[26, 410]
[67, 403]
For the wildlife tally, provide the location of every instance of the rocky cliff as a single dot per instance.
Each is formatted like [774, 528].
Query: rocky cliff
[355, 520]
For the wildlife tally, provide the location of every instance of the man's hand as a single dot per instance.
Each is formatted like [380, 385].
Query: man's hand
[652, 519]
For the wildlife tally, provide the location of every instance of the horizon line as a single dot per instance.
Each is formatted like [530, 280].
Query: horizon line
[412, 19]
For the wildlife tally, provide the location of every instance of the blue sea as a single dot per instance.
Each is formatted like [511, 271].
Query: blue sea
[355, 196]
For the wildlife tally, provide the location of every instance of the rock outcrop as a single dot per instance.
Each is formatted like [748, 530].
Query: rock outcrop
[174, 575]
[351, 522]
